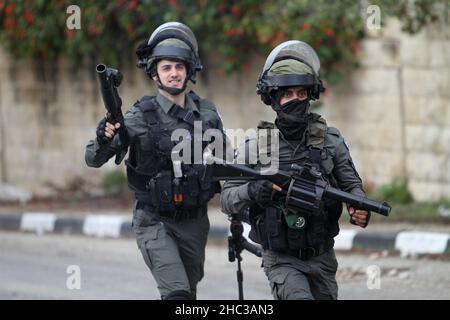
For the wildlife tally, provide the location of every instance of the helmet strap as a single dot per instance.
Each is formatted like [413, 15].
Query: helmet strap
[172, 91]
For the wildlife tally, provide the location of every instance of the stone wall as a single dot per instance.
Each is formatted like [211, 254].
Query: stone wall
[394, 112]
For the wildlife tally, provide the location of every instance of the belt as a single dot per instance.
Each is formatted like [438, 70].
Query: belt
[309, 252]
[176, 215]
[179, 215]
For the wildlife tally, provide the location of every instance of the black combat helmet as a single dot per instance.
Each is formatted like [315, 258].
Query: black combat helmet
[172, 40]
[291, 63]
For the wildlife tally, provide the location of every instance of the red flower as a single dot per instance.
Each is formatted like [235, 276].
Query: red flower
[304, 26]
[132, 5]
[93, 30]
[69, 34]
[9, 9]
[9, 23]
[28, 16]
[99, 18]
[173, 4]
[236, 10]
[231, 32]
[354, 46]
[280, 36]
[329, 32]
[262, 38]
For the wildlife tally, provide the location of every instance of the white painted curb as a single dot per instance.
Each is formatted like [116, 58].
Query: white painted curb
[38, 222]
[414, 242]
[344, 240]
[103, 225]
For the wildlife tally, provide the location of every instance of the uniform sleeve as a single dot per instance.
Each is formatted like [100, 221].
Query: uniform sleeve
[234, 197]
[98, 154]
[344, 170]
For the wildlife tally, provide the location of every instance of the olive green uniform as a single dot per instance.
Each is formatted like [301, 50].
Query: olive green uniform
[293, 277]
[173, 247]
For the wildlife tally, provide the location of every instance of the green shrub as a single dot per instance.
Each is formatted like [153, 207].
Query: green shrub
[114, 182]
[111, 30]
[397, 191]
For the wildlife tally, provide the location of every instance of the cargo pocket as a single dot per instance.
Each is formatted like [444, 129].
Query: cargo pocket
[328, 262]
[145, 245]
[277, 284]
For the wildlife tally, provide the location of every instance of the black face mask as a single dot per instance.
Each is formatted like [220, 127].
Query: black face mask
[292, 118]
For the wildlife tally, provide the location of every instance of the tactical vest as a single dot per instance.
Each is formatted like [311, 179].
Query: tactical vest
[269, 226]
[150, 170]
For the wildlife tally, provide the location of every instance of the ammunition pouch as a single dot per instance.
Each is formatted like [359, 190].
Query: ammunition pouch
[269, 228]
[164, 193]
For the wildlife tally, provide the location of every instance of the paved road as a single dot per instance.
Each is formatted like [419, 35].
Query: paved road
[36, 267]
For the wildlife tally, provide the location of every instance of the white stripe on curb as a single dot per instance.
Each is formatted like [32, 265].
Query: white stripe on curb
[103, 226]
[414, 242]
[344, 240]
[38, 222]
[246, 232]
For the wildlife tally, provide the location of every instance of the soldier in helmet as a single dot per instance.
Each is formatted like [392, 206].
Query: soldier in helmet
[298, 258]
[170, 212]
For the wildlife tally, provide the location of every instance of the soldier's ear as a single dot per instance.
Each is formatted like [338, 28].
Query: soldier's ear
[154, 74]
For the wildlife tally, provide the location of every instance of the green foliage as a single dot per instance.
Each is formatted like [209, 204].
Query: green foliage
[397, 191]
[114, 182]
[111, 30]
[416, 14]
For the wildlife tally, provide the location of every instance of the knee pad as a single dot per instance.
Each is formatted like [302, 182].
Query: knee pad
[179, 295]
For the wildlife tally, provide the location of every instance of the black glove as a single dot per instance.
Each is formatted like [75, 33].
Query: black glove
[260, 190]
[101, 138]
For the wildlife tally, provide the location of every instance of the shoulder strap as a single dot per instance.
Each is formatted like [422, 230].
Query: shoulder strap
[148, 107]
[317, 130]
[265, 138]
[316, 138]
[194, 97]
[182, 114]
[202, 103]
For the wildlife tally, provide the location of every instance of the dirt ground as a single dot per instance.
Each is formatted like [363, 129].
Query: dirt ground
[66, 203]
[73, 203]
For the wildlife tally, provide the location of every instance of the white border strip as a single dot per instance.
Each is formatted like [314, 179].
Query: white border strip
[415, 242]
[344, 240]
[38, 222]
[103, 225]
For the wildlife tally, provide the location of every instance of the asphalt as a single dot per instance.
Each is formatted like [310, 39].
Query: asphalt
[405, 239]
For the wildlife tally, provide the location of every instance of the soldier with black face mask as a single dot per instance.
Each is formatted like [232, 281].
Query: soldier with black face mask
[298, 258]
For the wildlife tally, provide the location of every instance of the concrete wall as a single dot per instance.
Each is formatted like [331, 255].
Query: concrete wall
[394, 112]
[395, 109]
